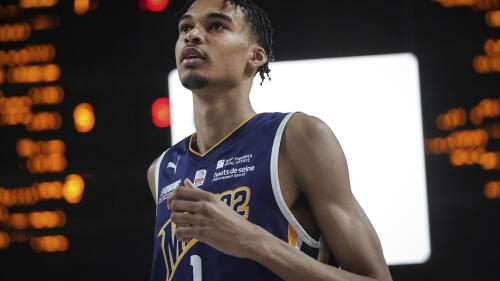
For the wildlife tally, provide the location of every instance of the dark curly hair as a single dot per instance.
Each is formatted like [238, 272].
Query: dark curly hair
[260, 26]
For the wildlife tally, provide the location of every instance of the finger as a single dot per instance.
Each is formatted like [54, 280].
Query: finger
[185, 234]
[180, 205]
[185, 219]
[189, 183]
[170, 198]
[192, 194]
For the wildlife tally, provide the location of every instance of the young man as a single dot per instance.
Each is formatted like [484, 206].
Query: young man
[252, 196]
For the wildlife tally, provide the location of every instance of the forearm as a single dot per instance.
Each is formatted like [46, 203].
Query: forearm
[292, 265]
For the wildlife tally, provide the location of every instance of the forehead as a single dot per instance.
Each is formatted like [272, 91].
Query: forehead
[202, 8]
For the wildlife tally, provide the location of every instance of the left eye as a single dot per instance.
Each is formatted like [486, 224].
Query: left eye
[216, 26]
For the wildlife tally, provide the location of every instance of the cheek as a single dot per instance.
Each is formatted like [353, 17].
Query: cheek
[178, 50]
[234, 57]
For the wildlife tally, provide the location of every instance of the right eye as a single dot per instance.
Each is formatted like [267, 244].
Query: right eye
[184, 28]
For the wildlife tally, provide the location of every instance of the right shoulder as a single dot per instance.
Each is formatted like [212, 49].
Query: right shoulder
[151, 175]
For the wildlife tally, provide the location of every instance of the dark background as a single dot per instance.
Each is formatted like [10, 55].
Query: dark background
[117, 57]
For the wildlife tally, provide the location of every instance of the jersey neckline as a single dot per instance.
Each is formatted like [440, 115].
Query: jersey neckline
[222, 141]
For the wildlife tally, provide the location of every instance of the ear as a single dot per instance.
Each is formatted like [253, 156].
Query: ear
[258, 56]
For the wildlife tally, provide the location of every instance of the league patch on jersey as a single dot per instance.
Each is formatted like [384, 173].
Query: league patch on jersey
[167, 189]
[199, 178]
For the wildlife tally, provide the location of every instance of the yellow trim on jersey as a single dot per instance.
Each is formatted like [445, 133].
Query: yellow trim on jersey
[218, 143]
[292, 236]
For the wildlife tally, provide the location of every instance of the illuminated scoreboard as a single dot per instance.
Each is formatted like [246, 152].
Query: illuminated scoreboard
[473, 133]
[38, 185]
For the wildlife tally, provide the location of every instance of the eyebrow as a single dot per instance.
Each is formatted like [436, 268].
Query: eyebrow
[210, 16]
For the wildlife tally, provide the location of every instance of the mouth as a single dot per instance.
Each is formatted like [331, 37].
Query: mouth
[191, 56]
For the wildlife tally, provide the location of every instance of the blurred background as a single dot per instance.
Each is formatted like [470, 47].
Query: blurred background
[84, 110]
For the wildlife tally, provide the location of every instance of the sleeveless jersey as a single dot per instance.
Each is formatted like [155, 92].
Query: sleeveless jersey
[242, 171]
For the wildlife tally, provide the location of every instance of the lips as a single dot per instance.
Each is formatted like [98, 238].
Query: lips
[192, 54]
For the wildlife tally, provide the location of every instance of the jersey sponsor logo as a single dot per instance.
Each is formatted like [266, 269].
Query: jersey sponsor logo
[234, 161]
[167, 190]
[233, 173]
[199, 178]
[174, 250]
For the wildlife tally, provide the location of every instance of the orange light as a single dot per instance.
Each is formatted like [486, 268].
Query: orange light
[4, 213]
[18, 221]
[34, 74]
[73, 189]
[14, 32]
[489, 161]
[492, 190]
[46, 95]
[44, 121]
[49, 244]
[30, 54]
[44, 22]
[81, 7]
[51, 163]
[2, 76]
[26, 4]
[4, 240]
[493, 18]
[84, 118]
[47, 219]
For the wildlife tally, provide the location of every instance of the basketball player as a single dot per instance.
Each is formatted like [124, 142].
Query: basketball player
[258, 197]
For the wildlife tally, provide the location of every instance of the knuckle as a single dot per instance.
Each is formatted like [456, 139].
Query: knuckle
[210, 197]
[179, 233]
[205, 208]
[200, 232]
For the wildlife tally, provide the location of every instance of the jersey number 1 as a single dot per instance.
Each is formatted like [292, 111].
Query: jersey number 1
[196, 264]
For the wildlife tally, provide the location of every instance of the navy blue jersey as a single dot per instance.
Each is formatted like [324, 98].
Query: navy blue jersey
[242, 171]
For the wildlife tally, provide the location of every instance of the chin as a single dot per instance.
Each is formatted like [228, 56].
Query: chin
[194, 81]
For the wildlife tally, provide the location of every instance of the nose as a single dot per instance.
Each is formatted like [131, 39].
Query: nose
[194, 36]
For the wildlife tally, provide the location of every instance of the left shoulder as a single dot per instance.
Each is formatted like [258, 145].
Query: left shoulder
[311, 148]
[306, 131]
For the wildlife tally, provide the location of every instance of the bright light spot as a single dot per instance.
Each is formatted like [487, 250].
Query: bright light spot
[84, 118]
[73, 189]
[153, 5]
[81, 7]
[160, 112]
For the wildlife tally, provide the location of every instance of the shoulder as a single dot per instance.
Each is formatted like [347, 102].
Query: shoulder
[151, 175]
[312, 149]
[301, 124]
[306, 132]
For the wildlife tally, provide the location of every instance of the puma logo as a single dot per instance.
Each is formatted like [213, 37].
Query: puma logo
[172, 165]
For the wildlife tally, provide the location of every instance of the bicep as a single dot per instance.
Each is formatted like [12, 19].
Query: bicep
[320, 168]
[152, 178]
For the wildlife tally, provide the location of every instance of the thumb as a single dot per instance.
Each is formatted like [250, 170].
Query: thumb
[189, 183]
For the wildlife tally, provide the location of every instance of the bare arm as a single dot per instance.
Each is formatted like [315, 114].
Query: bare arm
[320, 169]
[151, 178]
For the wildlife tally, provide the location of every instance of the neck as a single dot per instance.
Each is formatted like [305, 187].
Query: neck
[217, 113]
